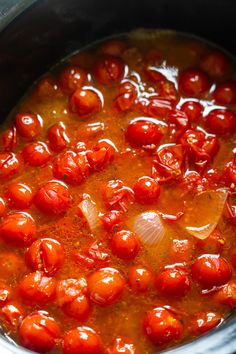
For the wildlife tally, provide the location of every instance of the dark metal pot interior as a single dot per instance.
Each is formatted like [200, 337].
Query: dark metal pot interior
[36, 34]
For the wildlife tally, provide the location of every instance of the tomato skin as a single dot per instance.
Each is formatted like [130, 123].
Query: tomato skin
[85, 102]
[19, 195]
[117, 196]
[37, 289]
[226, 295]
[126, 96]
[181, 250]
[39, 332]
[215, 64]
[221, 121]
[58, 136]
[36, 154]
[140, 279]
[204, 322]
[18, 229]
[72, 78]
[12, 314]
[108, 70]
[101, 155]
[172, 282]
[6, 293]
[105, 286]
[214, 243]
[211, 270]
[28, 125]
[9, 139]
[82, 340]
[111, 219]
[193, 82]
[161, 327]
[225, 93]
[229, 175]
[192, 109]
[70, 167]
[121, 345]
[153, 74]
[146, 190]
[125, 245]
[142, 132]
[9, 165]
[46, 255]
[53, 198]
[12, 265]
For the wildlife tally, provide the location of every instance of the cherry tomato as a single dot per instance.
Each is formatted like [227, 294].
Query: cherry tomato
[6, 293]
[221, 121]
[146, 190]
[126, 96]
[9, 139]
[193, 82]
[46, 255]
[141, 132]
[229, 174]
[181, 250]
[82, 340]
[158, 107]
[105, 286]
[204, 322]
[111, 219]
[108, 70]
[58, 137]
[53, 198]
[153, 74]
[36, 154]
[72, 78]
[121, 345]
[167, 90]
[140, 278]
[9, 165]
[85, 102]
[90, 130]
[211, 270]
[113, 47]
[226, 295]
[37, 289]
[2, 207]
[215, 64]
[12, 265]
[71, 167]
[161, 326]
[214, 243]
[39, 332]
[117, 196]
[47, 88]
[13, 314]
[101, 155]
[28, 125]
[125, 245]
[225, 93]
[193, 110]
[19, 195]
[18, 229]
[179, 119]
[172, 282]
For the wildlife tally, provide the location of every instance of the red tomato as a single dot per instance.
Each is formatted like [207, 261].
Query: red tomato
[37, 289]
[204, 322]
[215, 64]
[39, 332]
[229, 174]
[36, 154]
[126, 96]
[28, 125]
[181, 250]
[211, 270]
[117, 196]
[125, 245]
[13, 314]
[71, 167]
[158, 107]
[58, 137]
[53, 198]
[47, 88]
[225, 93]
[113, 47]
[9, 165]
[82, 340]
[85, 102]
[12, 265]
[146, 190]
[121, 345]
[166, 90]
[6, 293]
[46, 255]
[9, 139]
[101, 155]
[221, 121]
[111, 219]
[140, 278]
[19, 195]
[108, 70]
[180, 119]
[193, 82]
[72, 78]
[90, 130]
[214, 243]
[2, 207]
[105, 286]
[153, 74]
[18, 229]
[142, 132]
[161, 327]
[172, 282]
[193, 110]
[226, 295]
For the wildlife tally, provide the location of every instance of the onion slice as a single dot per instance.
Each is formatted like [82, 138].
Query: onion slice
[149, 228]
[89, 211]
[203, 213]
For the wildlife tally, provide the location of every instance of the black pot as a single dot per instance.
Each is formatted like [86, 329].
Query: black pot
[36, 34]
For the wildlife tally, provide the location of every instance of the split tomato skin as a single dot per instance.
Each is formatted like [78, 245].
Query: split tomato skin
[204, 322]
[121, 345]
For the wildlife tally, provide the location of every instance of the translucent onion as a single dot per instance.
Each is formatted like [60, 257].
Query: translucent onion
[89, 210]
[149, 228]
[203, 213]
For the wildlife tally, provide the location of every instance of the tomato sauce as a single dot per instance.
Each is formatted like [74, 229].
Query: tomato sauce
[118, 177]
